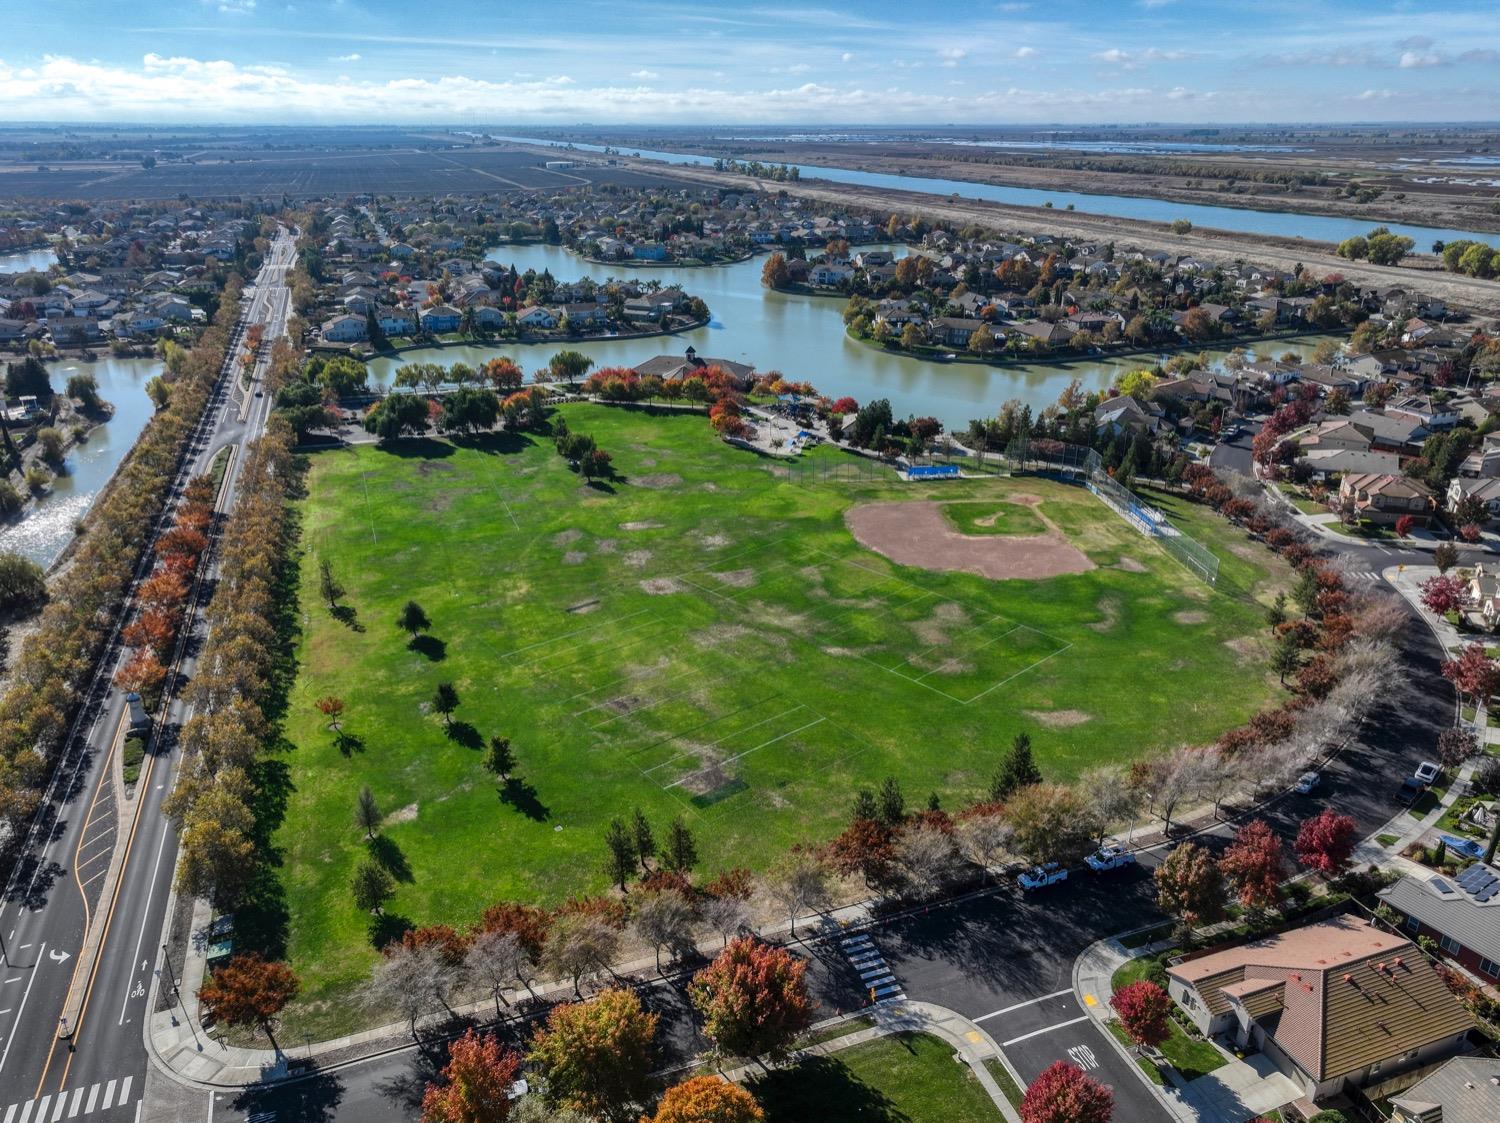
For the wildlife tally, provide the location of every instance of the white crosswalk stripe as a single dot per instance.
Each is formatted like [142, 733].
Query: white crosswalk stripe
[72, 1103]
[874, 973]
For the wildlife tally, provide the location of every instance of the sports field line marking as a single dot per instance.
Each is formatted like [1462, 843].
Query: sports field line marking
[1022, 671]
[970, 651]
[972, 628]
[685, 691]
[727, 736]
[664, 738]
[364, 482]
[589, 650]
[762, 745]
[575, 632]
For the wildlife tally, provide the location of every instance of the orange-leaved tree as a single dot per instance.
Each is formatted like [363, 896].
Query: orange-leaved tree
[707, 1099]
[753, 999]
[249, 990]
[475, 1084]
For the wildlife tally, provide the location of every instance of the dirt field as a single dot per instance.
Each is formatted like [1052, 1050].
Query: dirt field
[917, 534]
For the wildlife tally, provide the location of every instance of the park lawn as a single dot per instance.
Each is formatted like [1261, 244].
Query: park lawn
[699, 637]
[905, 1078]
[993, 518]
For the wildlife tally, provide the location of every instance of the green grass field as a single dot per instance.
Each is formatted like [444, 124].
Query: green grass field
[905, 1078]
[701, 638]
[993, 518]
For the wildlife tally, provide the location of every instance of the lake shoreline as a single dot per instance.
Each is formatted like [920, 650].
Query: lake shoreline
[495, 341]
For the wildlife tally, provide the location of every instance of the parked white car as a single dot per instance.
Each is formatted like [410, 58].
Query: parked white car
[1038, 877]
[1307, 782]
[1426, 772]
[1109, 858]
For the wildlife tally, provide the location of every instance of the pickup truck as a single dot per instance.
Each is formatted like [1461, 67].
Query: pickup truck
[1109, 858]
[1410, 789]
[1039, 877]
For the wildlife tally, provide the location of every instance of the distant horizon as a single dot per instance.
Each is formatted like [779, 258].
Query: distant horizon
[715, 63]
[905, 127]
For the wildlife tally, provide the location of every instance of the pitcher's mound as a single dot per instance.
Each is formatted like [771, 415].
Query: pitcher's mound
[916, 534]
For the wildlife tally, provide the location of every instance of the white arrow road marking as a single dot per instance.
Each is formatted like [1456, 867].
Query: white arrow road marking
[57, 956]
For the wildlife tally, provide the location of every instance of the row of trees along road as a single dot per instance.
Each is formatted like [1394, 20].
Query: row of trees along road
[55, 664]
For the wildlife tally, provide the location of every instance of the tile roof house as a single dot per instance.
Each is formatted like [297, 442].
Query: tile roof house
[1333, 1004]
[675, 366]
[1383, 497]
[1464, 1090]
[1461, 913]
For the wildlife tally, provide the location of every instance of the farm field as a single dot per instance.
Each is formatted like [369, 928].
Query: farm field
[703, 638]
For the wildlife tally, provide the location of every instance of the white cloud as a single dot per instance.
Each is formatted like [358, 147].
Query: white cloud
[847, 56]
[1419, 60]
[1027, 52]
[1010, 9]
[1376, 95]
[1137, 60]
[644, 75]
[352, 56]
[233, 7]
[952, 56]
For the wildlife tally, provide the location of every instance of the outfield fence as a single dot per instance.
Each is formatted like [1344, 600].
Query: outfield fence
[1149, 521]
[843, 469]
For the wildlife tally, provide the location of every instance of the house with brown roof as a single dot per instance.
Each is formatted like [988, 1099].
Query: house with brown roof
[1383, 497]
[1333, 1004]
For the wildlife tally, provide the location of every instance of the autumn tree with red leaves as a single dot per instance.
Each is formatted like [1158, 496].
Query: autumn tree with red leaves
[1326, 843]
[249, 990]
[1190, 886]
[753, 999]
[142, 673]
[1254, 865]
[1473, 674]
[1064, 1094]
[1145, 1010]
[1442, 594]
[475, 1083]
[866, 848]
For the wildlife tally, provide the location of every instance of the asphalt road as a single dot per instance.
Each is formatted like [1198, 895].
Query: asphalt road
[98, 1071]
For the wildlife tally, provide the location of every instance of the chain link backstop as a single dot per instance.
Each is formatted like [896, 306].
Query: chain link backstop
[1149, 521]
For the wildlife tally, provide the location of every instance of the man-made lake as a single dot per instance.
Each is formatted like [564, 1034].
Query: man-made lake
[801, 336]
[1285, 224]
[45, 528]
[25, 261]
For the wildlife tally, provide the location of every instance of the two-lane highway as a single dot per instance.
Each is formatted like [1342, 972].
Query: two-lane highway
[97, 1070]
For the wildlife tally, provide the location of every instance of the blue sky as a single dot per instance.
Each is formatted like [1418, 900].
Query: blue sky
[875, 62]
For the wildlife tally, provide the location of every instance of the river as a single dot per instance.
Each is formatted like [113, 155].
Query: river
[1284, 224]
[44, 529]
[801, 336]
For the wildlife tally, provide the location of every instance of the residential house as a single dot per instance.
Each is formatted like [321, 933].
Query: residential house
[1463, 1090]
[1333, 1004]
[535, 316]
[1052, 334]
[1400, 433]
[648, 251]
[1460, 914]
[440, 318]
[1383, 497]
[74, 330]
[347, 328]
[650, 307]
[1124, 413]
[586, 314]
[140, 322]
[396, 321]
[488, 318]
[1483, 595]
[953, 331]
[682, 366]
[1488, 490]
[1432, 414]
[1329, 463]
[829, 274]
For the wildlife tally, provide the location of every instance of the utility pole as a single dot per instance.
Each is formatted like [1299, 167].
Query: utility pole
[166, 957]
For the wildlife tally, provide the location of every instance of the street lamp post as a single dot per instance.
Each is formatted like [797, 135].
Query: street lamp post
[172, 977]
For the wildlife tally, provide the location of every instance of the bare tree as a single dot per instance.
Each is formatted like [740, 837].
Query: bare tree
[495, 959]
[580, 945]
[408, 980]
[983, 838]
[726, 915]
[928, 856]
[664, 918]
[1221, 773]
[797, 883]
[1110, 796]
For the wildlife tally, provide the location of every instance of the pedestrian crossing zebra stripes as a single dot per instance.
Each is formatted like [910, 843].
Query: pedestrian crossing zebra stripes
[72, 1103]
[874, 973]
[1364, 575]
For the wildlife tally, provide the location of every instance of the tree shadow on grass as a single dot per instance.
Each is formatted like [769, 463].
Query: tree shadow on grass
[385, 853]
[603, 485]
[462, 733]
[418, 448]
[501, 442]
[347, 615]
[349, 743]
[387, 928]
[525, 799]
[822, 1088]
[430, 646]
